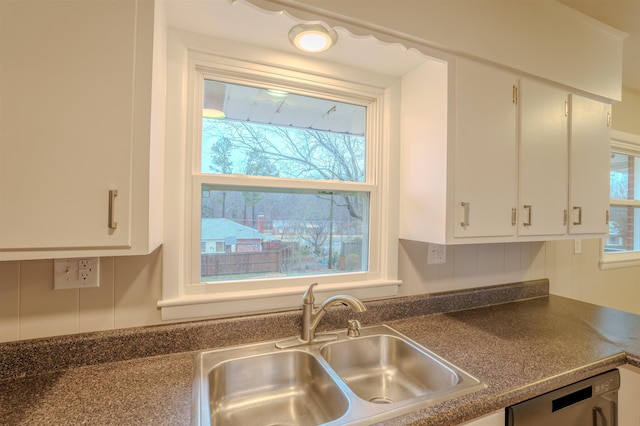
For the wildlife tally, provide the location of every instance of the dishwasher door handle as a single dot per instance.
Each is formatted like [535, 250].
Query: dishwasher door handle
[597, 414]
[510, 416]
[599, 417]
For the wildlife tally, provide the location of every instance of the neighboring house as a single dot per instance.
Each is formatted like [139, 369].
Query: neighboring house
[226, 236]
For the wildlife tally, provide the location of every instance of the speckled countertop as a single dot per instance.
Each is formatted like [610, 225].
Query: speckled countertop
[516, 338]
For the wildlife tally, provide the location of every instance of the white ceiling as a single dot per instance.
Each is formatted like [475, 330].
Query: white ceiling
[218, 18]
[239, 22]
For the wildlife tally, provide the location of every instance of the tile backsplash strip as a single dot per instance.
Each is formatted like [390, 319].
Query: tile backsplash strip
[30, 308]
[130, 287]
[38, 356]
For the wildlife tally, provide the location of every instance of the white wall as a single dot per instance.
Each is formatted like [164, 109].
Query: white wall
[626, 114]
[130, 287]
[469, 266]
[577, 276]
[543, 38]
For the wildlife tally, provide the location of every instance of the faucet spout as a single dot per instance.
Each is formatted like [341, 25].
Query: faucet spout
[344, 299]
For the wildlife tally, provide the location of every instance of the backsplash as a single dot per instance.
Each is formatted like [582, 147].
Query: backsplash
[47, 355]
[469, 266]
[130, 287]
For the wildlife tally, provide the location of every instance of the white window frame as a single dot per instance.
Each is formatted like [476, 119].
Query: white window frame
[192, 58]
[624, 143]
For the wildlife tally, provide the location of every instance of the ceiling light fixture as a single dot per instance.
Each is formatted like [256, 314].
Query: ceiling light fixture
[277, 93]
[213, 113]
[312, 37]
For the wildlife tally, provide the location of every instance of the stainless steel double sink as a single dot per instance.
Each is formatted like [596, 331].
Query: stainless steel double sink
[347, 381]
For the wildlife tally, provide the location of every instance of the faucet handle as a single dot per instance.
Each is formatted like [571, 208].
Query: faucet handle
[309, 298]
[353, 330]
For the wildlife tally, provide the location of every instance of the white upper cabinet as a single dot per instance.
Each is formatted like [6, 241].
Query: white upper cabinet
[564, 163]
[76, 113]
[590, 136]
[458, 153]
[495, 158]
[484, 142]
[543, 159]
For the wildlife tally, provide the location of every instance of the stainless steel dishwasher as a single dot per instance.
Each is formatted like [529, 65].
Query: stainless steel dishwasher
[589, 402]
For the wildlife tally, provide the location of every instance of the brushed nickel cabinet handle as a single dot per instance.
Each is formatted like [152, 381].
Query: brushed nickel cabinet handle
[528, 208]
[466, 212]
[113, 193]
[579, 222]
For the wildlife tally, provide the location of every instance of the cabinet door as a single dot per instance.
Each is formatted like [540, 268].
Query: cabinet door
[485, 151]
[589, 151]
[628, 409]
[543, 159]
[497, 418]
[66, 136]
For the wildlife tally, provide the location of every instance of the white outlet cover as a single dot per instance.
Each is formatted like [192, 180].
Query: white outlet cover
[81, 272]
[437, 254]
[577, 246]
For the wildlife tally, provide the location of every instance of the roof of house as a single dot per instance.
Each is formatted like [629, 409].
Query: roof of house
[219, 229]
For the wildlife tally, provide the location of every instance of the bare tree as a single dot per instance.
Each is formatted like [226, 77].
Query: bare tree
[221, 163]
[301, 153]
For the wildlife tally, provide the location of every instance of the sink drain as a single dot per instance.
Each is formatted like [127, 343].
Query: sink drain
[381, 400]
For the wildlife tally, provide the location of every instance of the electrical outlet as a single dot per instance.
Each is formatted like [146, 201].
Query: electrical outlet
[577, 246]
[437, 254]
[76, 273]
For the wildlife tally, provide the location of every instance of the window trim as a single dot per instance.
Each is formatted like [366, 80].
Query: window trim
[624, 143]
[381, 280]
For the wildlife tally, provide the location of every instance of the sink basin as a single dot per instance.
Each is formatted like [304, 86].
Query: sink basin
[348, 381]
[386, 369]
[280, 388]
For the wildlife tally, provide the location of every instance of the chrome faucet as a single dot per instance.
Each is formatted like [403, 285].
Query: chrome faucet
[311, 315]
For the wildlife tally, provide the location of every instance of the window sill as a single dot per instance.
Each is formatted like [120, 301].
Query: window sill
[620, 260]
[259, 301]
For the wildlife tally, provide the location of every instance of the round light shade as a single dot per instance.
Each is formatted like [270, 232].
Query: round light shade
[213, 113]
[312, 37]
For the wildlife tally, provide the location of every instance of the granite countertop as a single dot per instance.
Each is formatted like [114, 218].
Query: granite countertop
[516, 338]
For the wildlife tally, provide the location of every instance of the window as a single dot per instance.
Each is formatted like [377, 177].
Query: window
[270, 142]
[624, 219]
[622, 245]
[288, 176]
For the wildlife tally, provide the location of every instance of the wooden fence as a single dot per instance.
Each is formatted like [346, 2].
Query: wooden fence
[212, 264]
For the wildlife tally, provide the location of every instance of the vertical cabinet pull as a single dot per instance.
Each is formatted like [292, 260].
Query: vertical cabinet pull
[528, 208]
[466, 210]
[579, 222]
[607, 217]
[113, 193]
[566, 217]
[513, 216]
